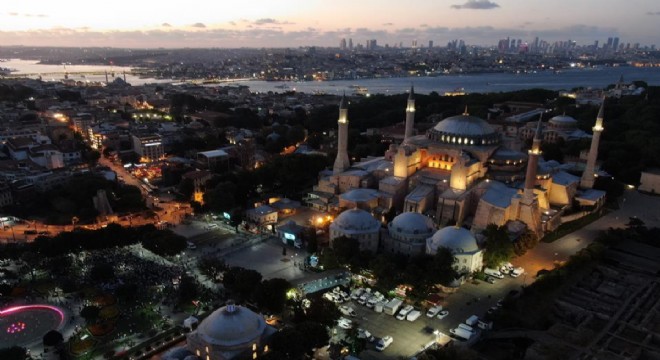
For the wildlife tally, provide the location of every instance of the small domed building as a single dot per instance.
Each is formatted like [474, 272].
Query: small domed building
[231, 332]
[461, 243]
[365, 199]
[407, 233]
[359, 225]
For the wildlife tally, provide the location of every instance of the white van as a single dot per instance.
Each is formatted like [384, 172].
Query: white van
[404, 312]
[384, 343]
[493, 273]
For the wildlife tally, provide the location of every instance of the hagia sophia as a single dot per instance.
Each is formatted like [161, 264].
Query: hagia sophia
[460, 174]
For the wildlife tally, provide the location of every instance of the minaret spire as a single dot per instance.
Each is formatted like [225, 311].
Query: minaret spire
[466, 113]
[589, 174]
[410, 114]
[532, 163]
[342, 162]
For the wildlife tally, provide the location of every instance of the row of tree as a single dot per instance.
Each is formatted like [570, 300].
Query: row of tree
[161, 242]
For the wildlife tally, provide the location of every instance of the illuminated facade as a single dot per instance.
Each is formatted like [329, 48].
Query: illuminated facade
[148, 147]
[459, 171]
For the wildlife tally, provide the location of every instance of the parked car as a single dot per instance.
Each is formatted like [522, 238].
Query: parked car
[344, 323]
[357, 293]
[348, 311]
[365, 334]
[432, 312]
[443, 314]
[491, 280]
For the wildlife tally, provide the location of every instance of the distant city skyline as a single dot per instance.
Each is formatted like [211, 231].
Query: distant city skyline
[291, 23]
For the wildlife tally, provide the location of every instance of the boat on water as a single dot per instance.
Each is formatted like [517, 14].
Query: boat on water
[359, 90]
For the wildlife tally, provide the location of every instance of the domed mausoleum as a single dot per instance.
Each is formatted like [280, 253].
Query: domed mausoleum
[407, 233]
[461, 243]
[231, 332]
[359, 225]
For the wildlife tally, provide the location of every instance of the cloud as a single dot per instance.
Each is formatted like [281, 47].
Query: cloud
[388, 24]
[165, 25]
[198, 25]
[476, 5]
[232, 23]
[27, 14]
[653, 13]
[270, 21]
[274, 36]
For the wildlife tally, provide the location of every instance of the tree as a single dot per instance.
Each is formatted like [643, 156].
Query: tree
[221, 198]
[241, 281]
[186, 188]
[314, 334]
[164, 242]
[328, 259]
[287, 341]
[323, 311]
[90, 313]
[271, 294]
[102, 272]
[92, 157]
[188, 289]
[14, 353]
[211, 266]
[53, 338]
[528, 240]
[345, 249]
[441, 268]
[499, 248]
[385, 270]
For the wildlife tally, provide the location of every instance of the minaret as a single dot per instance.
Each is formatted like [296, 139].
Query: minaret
[532, 165]
[341, 162]
[589, 174]
[410, 114]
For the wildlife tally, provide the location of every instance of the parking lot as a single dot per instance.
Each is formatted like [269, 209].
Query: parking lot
[473, 298]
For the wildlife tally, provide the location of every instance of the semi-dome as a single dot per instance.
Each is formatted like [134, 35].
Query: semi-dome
[355, 221]
[360, 195]
[463, 130]
[231, 326]
[411, 223]
[454, 238]
[563, 120]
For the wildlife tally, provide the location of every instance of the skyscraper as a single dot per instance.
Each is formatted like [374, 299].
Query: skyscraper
[615, 44]
[350, 44]
[342, 44]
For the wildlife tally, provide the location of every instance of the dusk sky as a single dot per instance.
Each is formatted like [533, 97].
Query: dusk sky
[291, 23]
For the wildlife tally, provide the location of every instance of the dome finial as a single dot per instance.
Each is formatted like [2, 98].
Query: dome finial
[466, 113]
[231, 307]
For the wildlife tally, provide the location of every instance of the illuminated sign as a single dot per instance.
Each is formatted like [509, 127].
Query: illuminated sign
[226, 216]
[289, 236]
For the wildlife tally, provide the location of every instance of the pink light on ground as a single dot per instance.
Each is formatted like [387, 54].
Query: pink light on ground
[15, 309]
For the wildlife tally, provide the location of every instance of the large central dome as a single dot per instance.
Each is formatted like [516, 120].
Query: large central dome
[464, 130]
[231, 326]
